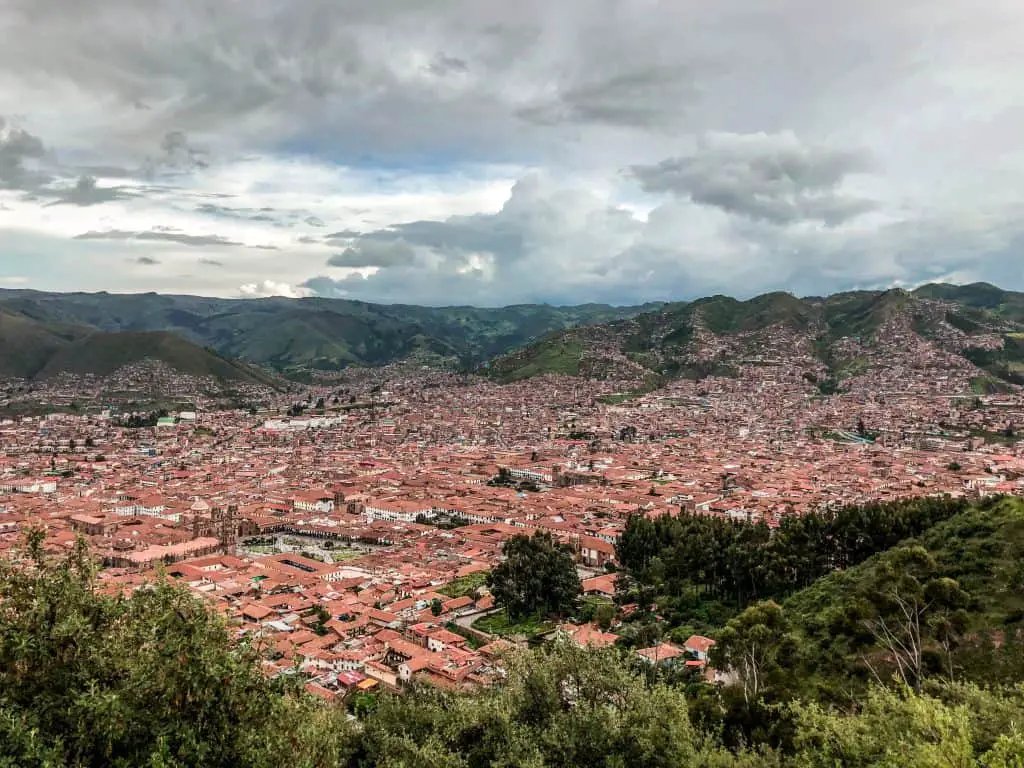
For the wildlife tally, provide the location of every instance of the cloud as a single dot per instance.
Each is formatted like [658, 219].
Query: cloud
[774, 178]
[374, 253]
[86, 192]
[159, 236]
[762, 148]
[16, 147]
[147, 260]
[636, 98]
[268, 288]
[561, 245]
[443, 65]
[178, 155]
[211, 262]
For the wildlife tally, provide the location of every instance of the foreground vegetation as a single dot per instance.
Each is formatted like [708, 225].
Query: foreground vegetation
[825, 675]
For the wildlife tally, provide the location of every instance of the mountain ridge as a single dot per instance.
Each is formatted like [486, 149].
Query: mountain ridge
[831, 339]
[313, 332]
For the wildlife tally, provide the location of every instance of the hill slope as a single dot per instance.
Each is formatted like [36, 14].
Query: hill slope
[830, 341]
[980, 550]
[27, 345]
[313, 332]
[103, 354]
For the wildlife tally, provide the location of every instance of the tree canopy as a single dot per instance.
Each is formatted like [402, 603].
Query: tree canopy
[538, 574]
[151, 679]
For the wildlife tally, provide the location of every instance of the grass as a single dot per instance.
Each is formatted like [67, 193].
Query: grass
[341, 555]
[555, 355]
[465, 585]
[618, 397]
[502, 625]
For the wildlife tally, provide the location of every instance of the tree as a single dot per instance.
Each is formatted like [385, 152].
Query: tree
[561, 706]
[436, 606]
[756, 646]
[900, 727]
[912, 608]
[148, 679]
[604, 615]
[537, 574]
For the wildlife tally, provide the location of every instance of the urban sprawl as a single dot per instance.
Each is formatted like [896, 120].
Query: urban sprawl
[348, 527]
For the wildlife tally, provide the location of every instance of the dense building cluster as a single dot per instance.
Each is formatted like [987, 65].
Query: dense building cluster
[349, 529]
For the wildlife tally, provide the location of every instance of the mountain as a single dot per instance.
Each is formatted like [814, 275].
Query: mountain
[313, 333]
[28, 345]
[976, 332]
[103, 354]
[1005, 304]
[36, 350]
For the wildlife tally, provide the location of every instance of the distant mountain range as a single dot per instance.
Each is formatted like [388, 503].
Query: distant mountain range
[830, 339]
[833, 338]
[40, 333]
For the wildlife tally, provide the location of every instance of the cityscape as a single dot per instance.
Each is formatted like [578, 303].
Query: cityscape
[471, 384]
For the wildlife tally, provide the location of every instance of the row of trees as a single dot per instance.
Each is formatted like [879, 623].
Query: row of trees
[142, 420]
[739, 563]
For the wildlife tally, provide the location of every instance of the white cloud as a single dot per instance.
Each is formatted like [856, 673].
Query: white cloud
[268, 288]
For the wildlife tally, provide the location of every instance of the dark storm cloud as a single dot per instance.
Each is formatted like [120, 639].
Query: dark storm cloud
[16, 146]
[771, 178]
[157, 236]
[372, 253]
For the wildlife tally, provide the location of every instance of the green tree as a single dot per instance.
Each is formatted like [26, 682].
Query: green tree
[150, 679]
[758, 647]
[911, 609]
[537, 574]
[436, 606]
[901, 728]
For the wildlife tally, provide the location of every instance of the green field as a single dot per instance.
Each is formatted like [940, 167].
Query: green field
[466, 585]
[500, 624]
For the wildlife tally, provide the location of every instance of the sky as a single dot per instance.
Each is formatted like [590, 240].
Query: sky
[491, 153]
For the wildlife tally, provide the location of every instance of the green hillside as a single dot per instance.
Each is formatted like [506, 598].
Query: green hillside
[315, 332]
[671, 341]
[27, 346]
[102, 354]
[981, 551]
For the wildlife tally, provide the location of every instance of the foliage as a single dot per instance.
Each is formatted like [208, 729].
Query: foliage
[714, 560]
[89, 678]
[152, 679]
[537, 574]
[899, 728]
[561, 706]
[758, 646]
